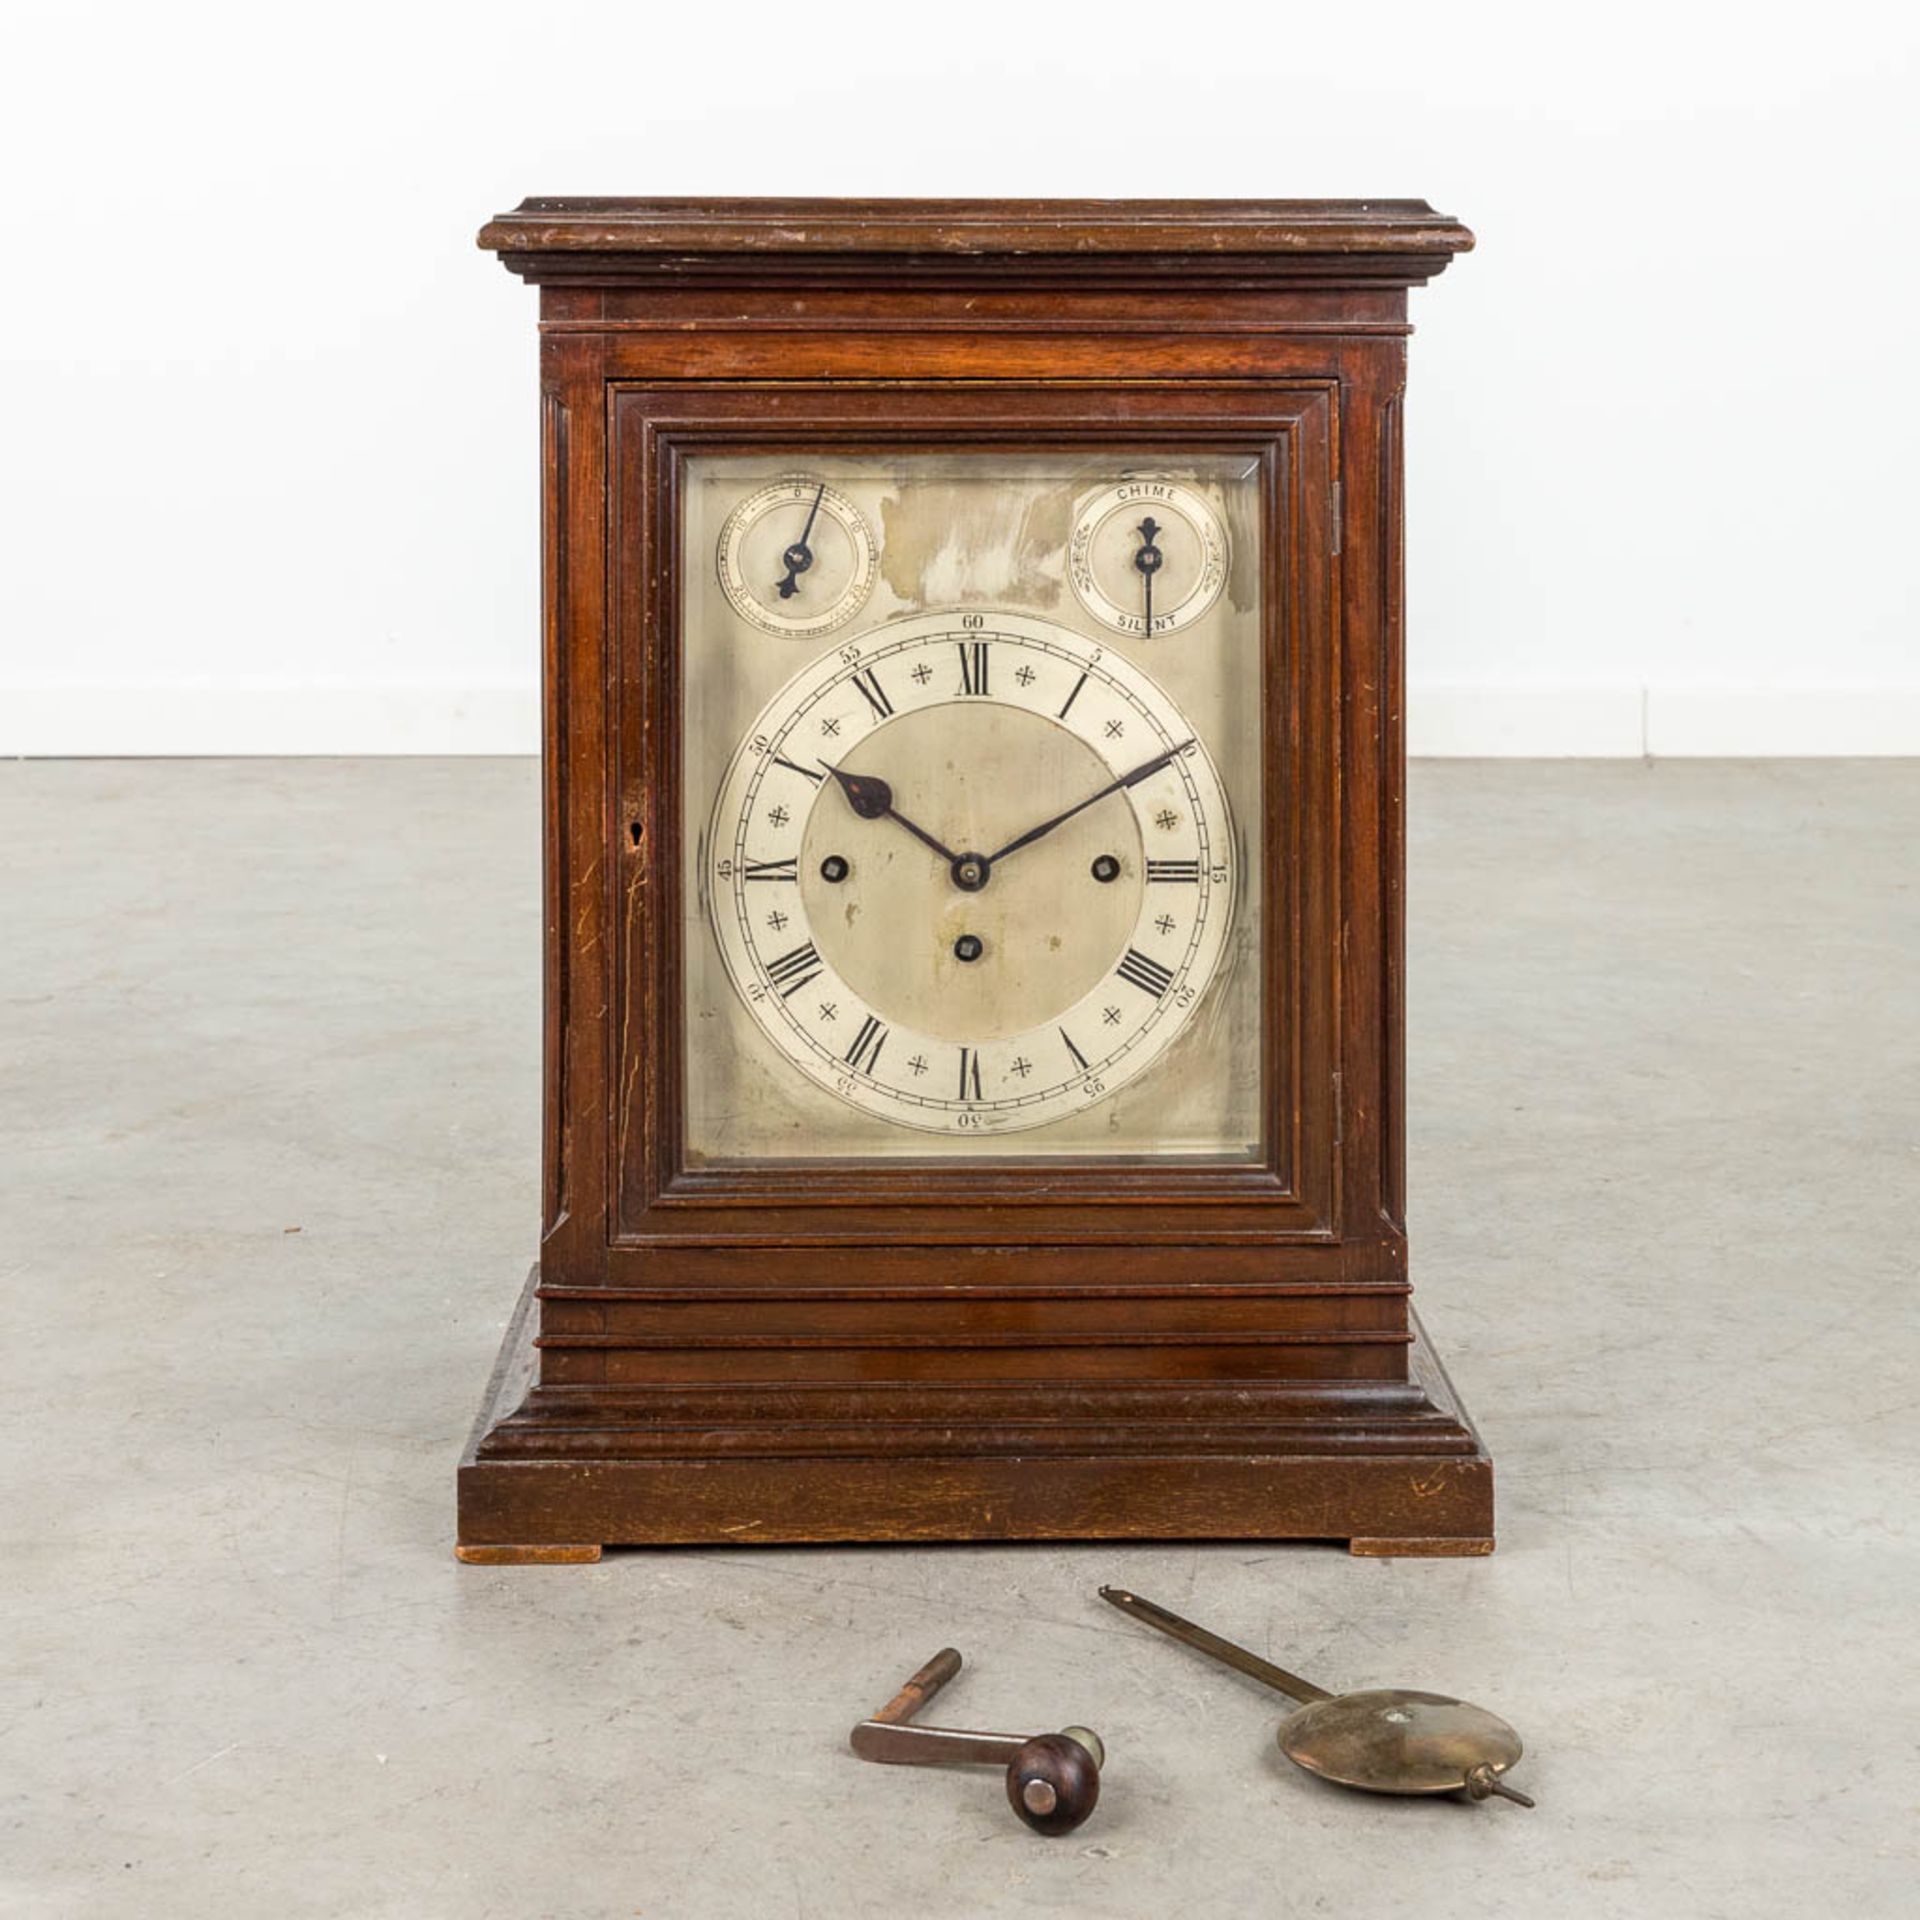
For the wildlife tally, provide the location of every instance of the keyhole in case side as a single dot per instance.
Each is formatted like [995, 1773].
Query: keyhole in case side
[633, 828]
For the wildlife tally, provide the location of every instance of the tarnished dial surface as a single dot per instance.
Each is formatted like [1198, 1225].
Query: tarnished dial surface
[1395, 1740]
[904, 982]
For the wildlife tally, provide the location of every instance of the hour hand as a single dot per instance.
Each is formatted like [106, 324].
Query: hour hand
[867, 794]
[872, 799]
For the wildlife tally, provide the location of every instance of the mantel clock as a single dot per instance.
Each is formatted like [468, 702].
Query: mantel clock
[973, 779]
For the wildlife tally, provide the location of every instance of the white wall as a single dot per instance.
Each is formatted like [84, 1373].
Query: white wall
[268, 468]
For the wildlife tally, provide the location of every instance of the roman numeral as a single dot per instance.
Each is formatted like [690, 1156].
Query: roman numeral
[1072, 697]
[969, 1073]
[1148, 975]
[871, 690]
[1174, 870]
[1079, 1058]
[806, 773]
[973, 666]
[772, 869]
[793, 970]
[864, 1055]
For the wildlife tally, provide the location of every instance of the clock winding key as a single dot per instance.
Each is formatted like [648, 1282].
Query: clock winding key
[1053, 1779]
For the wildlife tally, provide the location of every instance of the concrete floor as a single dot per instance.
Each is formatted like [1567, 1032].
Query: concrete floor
[267, 1137]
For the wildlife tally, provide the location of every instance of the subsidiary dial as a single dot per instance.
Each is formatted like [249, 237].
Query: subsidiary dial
[797, 558]
[1147, 557]
[971, 874]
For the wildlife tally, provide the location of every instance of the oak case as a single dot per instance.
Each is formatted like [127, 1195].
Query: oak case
[931, 1350]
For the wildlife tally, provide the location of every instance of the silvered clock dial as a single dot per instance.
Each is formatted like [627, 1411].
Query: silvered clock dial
[1148, 555]
[796, 557]
[977, 869]
[972, 873]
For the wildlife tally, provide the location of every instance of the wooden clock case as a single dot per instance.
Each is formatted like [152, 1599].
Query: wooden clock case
[940, 1351]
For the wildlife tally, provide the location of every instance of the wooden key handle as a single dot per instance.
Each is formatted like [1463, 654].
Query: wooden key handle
[1053, 1782]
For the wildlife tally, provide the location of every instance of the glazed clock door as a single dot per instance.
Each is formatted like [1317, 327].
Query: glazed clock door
[980, 907]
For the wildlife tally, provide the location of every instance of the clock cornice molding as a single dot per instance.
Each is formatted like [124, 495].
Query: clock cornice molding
[604, 241]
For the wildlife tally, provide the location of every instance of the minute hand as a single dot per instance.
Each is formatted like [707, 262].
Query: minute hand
[1139, 773]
